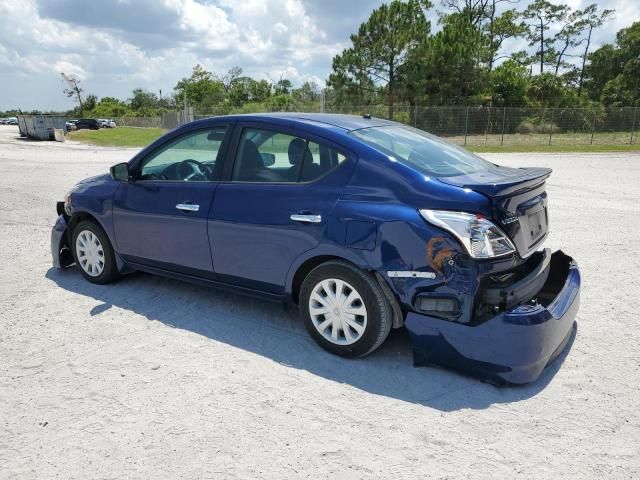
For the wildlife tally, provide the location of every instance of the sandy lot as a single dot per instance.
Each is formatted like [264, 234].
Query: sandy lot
[153, 378]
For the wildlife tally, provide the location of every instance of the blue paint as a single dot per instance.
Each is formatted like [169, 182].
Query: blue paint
[361, 235]
[512, 347]
[242, 237]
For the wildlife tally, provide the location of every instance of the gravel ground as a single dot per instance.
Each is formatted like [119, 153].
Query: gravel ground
[153, 378]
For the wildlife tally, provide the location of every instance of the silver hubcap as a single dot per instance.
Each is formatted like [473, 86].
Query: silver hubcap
[337, 311]
[90, 253]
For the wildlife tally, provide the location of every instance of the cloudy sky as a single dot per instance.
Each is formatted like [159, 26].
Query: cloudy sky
[115, 46]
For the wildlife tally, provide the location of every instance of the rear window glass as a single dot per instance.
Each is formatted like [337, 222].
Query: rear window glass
[421, 151]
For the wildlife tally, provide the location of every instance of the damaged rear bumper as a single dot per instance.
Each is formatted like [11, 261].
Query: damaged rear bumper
[512, 347]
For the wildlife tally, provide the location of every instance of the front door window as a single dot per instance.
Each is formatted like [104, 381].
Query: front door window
[192, 157]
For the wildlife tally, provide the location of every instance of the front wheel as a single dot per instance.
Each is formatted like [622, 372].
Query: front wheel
[344, 309]
[93, 253]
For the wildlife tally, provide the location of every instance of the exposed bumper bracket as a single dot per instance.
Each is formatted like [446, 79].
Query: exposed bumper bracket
[524, 289]
[514, 346]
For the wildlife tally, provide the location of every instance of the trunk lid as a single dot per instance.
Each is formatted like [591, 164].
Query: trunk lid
[519, 200]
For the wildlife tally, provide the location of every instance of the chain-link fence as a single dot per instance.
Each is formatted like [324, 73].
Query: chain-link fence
[508, 126]
[493, 126]
[141, 122]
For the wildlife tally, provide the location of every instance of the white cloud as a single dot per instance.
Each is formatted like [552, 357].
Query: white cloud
[115, 46]
[63, 66]
[118, 45]
[292, 73]
[280, 28]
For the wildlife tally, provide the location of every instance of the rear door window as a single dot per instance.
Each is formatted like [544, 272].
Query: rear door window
[267, 156]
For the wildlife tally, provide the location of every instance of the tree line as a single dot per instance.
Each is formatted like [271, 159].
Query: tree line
[396, 58]
[204, 90]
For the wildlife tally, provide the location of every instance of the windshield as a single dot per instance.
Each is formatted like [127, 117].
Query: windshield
[421, 151]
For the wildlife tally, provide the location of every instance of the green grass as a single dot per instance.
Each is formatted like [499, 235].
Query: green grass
[118, 137]
[539, 142]
[555, 148]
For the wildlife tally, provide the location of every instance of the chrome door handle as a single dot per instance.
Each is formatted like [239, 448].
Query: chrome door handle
[188, 207]
[298, 217]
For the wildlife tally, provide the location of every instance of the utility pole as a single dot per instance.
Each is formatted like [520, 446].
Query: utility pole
[504, 120]
[466, 127]
[184, 120]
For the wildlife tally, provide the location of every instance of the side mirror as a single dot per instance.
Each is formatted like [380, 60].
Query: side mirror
[268, 159]
[120, 172]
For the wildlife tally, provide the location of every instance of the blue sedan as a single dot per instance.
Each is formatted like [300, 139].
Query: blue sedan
[364, 224]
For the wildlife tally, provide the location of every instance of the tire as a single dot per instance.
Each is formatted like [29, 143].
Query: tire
[344, 328]
[87, 254]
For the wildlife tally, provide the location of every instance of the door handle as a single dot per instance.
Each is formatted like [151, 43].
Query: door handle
[188, 207]
[306, 218]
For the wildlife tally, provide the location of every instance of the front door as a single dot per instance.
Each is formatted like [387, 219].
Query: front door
[275, 206]
[160, 218]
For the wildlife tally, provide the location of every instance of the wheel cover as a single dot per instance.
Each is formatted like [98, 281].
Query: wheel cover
[90, 253]
[337, 311]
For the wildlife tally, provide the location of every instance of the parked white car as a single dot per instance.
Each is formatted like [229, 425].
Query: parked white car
[106, 123]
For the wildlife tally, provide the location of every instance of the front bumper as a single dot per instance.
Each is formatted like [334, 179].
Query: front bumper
[60, 254]
[513, 347]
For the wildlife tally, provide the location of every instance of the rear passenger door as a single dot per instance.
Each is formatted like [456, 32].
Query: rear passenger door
[274, 205]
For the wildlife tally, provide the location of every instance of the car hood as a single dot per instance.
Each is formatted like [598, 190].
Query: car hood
[95, 179]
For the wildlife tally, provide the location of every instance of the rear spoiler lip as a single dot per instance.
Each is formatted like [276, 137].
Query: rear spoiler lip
[508, 190]
[536, 177]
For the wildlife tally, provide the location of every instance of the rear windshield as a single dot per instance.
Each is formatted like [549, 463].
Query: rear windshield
[421, 151]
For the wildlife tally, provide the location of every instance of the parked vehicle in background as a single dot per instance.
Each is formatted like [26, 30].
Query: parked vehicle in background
[12, 121]
[106, 123]
[363, 223]
[87, 124]
[71, 125]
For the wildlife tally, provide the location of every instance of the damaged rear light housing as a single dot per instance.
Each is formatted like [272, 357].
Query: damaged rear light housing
[480, 237]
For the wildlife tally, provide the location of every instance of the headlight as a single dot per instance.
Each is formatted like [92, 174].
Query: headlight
[480, 237]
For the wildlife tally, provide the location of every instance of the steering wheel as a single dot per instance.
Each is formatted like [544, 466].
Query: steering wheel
[190, 169]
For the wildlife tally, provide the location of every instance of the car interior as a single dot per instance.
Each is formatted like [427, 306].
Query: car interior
[265, 156]
[192, 159]
[262, 156]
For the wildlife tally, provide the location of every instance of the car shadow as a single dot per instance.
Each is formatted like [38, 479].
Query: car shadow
[267, 329]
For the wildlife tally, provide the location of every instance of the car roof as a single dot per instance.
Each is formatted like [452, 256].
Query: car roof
[345, 122]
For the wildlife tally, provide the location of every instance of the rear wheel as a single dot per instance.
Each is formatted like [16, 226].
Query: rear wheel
[93, 253]
[344, 309]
